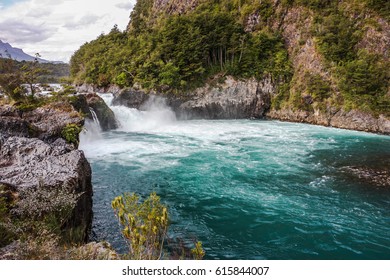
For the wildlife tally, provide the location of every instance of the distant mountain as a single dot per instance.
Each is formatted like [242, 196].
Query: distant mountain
[6, 50]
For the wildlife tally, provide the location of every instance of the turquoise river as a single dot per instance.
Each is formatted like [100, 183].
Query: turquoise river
[247, 189]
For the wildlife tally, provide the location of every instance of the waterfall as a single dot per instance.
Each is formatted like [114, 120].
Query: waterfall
[107, 98]
[94, 117]
[153, 115]
[92, 130]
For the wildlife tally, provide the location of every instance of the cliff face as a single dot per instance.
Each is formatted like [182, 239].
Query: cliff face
[353, 120]
[296, 24]
[34, 154]
[230, 99]
[174, 6]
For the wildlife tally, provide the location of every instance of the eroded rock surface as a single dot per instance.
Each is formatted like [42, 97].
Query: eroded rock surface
[33, 153]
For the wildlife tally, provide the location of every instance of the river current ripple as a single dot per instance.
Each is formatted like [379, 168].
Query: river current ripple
[247, 189]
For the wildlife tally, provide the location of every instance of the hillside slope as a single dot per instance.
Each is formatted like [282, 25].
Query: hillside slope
[6, 50]
[326, 59]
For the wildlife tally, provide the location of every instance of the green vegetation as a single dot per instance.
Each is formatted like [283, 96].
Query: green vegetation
[36, 219]
[336, 36]
[361, 77]
[16, 76]
[13, 74]
[11, 79]
[145, 226]
[181, 52]
[6, 233]
[171, 52]
[71, 133]
[364, 83]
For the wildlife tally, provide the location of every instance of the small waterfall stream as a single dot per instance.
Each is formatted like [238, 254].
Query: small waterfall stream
[92, 130]
[94, 117]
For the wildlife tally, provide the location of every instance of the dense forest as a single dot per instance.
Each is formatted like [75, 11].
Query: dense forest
[174, 46]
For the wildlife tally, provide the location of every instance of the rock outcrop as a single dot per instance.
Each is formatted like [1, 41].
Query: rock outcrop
[30, 162]
[235, 99]
[377, 177]
[131, 98]
[45, 123]
[353, 120]
[91, 103]
[232, 99]
[104, 114]
[33, 153]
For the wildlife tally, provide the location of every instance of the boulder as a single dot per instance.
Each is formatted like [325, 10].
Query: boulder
[131, 98]
[31, 162]
[104, 114]
[33, 153]
[49, 121]
[45, 123]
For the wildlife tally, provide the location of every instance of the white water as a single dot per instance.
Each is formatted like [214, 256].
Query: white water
[247, 189]
[92, 130]
[153, 115]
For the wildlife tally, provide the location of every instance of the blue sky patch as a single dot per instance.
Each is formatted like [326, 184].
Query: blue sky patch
[6, 3]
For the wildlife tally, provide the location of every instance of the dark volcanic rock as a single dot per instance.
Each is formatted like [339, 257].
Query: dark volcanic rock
[49, 121]
[13, 126]
[104, 114]
[233, 99]
[378, 177]
[80, 104]
[45, 123]
[9, 111]
[131, 98]
[30, 162]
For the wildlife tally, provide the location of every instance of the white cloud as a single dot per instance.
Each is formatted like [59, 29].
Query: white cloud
[57, 28]
[84, 21]
[128, 5]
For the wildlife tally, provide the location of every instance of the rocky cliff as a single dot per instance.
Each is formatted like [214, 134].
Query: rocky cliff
[34, 154]
[230, 99]
[353, 120]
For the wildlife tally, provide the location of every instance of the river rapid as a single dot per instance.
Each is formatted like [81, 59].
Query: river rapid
[248, 189]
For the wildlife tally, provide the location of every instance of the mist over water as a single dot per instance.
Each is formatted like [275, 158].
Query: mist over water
[247, 189]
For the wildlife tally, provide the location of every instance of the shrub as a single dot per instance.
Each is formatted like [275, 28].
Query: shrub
[37, 219]
[71, 133]
[44, 207]
[198, 251]
[145, 226]
[6, 235]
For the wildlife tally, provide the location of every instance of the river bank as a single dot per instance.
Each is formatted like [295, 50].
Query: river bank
[243, 99]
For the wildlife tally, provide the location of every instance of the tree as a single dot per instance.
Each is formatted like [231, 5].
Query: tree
[11, 79]
[31, 72]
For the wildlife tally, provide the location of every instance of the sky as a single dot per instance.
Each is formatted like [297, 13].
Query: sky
[57, 28]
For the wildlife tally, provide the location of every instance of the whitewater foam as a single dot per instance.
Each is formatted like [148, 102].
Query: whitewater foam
[152, 116]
